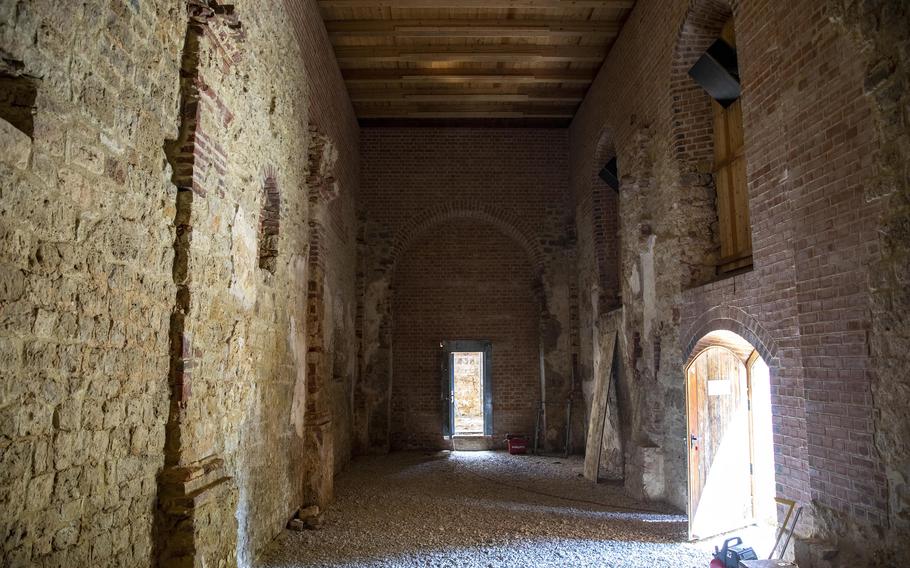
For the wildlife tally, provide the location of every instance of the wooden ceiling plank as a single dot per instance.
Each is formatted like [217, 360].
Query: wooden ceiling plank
[469, 28]
[477, 4]
[467, 98]
[465, 75]
[452, 95]
[499, 53]
[463, 106]
[491, 61]
[466, 114]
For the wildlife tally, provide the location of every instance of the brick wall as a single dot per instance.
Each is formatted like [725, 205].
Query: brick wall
[463, 279]
[414, 179]
[811, 146]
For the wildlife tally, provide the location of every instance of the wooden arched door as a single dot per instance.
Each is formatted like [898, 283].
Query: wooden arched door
[720, 445]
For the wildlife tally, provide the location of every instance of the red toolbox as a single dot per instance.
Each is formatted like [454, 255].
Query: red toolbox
[517, 444]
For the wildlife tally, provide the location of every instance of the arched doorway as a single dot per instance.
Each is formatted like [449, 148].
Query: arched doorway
[730, 452]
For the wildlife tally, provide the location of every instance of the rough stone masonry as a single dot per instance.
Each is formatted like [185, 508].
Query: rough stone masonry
[174, 271]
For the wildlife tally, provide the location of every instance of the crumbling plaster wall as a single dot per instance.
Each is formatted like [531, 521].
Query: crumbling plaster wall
[596, 221]
[413, 178]
[332, 115]
[820, 170]
[104, 299]
[657, 253]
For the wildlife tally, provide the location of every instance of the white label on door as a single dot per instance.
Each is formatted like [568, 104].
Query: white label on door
[719, 387]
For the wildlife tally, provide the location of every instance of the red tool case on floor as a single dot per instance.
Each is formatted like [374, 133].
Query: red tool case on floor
[517, 444]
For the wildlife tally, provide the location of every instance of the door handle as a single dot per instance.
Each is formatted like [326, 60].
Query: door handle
[693, 441]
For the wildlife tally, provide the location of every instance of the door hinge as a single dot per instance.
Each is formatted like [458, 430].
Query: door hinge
[750, 469]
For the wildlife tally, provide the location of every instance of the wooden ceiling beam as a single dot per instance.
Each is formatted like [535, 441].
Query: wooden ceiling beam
[460, 95]
[478, 53]
[465, 114]
[399, 108]
[474, 4]
[469, 28]
[467, 75]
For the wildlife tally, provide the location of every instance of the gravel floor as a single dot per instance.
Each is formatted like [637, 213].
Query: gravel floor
[484, 509]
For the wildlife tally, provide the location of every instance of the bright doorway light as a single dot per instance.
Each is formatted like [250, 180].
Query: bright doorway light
[468, 393]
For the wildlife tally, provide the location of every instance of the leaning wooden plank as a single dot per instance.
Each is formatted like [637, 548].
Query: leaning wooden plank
[602, 386]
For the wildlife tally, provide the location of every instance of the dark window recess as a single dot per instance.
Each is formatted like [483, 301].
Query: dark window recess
[717, 73]
[17, 101]
[268, 230]
[610, 175]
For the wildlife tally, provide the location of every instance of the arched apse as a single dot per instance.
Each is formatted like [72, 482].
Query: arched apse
[462, 277]
[505, 221]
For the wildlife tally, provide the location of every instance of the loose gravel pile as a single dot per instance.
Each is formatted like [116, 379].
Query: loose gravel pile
[484, 509]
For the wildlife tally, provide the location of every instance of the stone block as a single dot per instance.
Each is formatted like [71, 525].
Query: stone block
[39, 492]
[15, 145]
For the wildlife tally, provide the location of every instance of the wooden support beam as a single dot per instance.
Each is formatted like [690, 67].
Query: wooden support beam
[474, 4]
[463, 95]
[465, 107]
[468, 75]
[477, 53]
[460, 114]
[470, 28]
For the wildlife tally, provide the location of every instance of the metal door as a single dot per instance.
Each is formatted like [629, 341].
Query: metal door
[447, 390]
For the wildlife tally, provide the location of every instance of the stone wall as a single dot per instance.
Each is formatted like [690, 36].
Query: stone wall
[332, 117]
[414, 182]
[87, 246]
[821, 172]
[158, 255]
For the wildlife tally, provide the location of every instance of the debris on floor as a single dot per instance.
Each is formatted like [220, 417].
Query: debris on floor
[306, 518]
[484, 509]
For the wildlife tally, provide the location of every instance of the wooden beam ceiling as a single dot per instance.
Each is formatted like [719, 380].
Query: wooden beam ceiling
[484, 4]
[518, 61]
[468, 75]
[478, 53]
[462, 94]
[497, 28]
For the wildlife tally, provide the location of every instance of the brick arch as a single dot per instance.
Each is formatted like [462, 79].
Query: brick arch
[605, 223]
[733, 319]
[506, 221]
[692, 118]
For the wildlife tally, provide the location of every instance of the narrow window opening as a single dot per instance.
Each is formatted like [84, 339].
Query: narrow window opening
[269, 226]
[469, 420]
[734, 227]
[17, 102]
